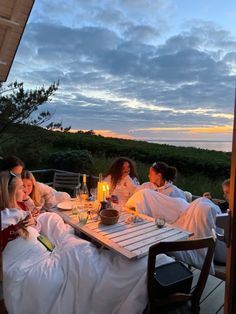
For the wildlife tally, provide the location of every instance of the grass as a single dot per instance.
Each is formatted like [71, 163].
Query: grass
[199, 170]
[196, 184]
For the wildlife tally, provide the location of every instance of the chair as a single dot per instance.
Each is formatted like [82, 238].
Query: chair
[177, 297]
[66, 180]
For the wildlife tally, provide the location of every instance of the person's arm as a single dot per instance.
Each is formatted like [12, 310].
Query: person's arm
[11, 232]
[48, 196]
[131, 186]
[29, 203]
[8, 234]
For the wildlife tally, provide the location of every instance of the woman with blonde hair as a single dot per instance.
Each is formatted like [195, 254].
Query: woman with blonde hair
[64, 273]
[42, 195]
[11, 196]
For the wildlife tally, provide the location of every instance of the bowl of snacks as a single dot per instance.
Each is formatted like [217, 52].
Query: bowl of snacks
[109, 216]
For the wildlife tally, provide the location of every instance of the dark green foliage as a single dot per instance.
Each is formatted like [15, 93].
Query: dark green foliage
[19, 109]
[187, 160]
[18, 105]
[198, 169]
[74, 161]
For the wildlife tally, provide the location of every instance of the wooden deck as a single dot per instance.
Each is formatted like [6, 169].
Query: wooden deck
[212, 300]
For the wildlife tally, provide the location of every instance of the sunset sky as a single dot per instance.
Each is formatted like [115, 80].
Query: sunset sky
[139, 69]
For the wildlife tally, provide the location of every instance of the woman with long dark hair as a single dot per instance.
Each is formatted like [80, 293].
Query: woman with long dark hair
[122, 179]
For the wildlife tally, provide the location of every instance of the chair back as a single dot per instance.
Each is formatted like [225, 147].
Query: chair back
[167, 247]
[66, 180]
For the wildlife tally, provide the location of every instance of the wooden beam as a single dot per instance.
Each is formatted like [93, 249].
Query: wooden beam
[230, 288]
[16, 16]
[7, 22]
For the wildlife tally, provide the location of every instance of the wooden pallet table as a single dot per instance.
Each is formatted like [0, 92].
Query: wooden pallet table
[130, 240]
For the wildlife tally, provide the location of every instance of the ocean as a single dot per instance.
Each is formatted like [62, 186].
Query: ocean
[224, 146]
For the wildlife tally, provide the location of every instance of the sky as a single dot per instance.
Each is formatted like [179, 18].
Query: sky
[138, 69]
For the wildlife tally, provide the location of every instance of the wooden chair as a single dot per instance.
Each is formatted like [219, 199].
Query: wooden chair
[66, 180]
[193, 296]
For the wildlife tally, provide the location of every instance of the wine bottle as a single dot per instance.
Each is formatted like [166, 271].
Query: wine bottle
[84, 190]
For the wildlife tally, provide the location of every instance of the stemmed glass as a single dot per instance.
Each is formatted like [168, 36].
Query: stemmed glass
[93, 193]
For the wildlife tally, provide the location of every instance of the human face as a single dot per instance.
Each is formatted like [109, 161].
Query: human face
[226, 192]
[154, 177]
[28, 186]
[17, 170]
[19, 191]
[125, 169]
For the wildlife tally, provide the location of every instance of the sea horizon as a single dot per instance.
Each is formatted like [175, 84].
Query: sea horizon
[220, 145]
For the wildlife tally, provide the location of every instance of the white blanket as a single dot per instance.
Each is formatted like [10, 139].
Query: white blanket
[155, 204]
[197, 217]
[74, 278]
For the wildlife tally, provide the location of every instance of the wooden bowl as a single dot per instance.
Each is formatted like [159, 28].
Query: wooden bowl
[109, 216]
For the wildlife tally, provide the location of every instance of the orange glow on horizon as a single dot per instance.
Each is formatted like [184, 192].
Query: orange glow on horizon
[108, 133]
[194, 130]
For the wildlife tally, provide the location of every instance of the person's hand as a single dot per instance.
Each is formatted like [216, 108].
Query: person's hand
[20, 225]
[29, 220]
[35, 212]
[207, 195]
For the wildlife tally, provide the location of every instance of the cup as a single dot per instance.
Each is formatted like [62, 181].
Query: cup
[93, 194]
[82, 217]
[160, 222]
[74, 210]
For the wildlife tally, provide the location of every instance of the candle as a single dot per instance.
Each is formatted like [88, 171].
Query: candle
[100, 192]
[104, 191]
[107, 191]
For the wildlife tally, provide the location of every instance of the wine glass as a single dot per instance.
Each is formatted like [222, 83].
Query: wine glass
[93, 193]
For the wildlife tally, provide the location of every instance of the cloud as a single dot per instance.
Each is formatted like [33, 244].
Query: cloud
[118, 66]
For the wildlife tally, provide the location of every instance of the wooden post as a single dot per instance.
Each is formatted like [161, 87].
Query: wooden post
[230, 288]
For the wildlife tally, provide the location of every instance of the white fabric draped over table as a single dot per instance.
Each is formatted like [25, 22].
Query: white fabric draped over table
[74, 278]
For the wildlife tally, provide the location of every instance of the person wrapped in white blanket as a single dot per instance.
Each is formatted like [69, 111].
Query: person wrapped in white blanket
[40, 195]
[161, 178]
[197, 217]
[72, 278]
[122, 179]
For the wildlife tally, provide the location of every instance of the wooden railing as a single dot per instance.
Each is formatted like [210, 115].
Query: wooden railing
[46, 176]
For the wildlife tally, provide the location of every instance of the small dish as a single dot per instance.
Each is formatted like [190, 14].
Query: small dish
[67, 205]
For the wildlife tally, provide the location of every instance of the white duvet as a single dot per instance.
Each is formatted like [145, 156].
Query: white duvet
[74, 278]
[197, 217]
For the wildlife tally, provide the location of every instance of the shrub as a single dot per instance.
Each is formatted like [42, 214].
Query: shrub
[74, 161]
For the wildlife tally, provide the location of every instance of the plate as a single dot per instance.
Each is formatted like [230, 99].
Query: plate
[65, 205]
